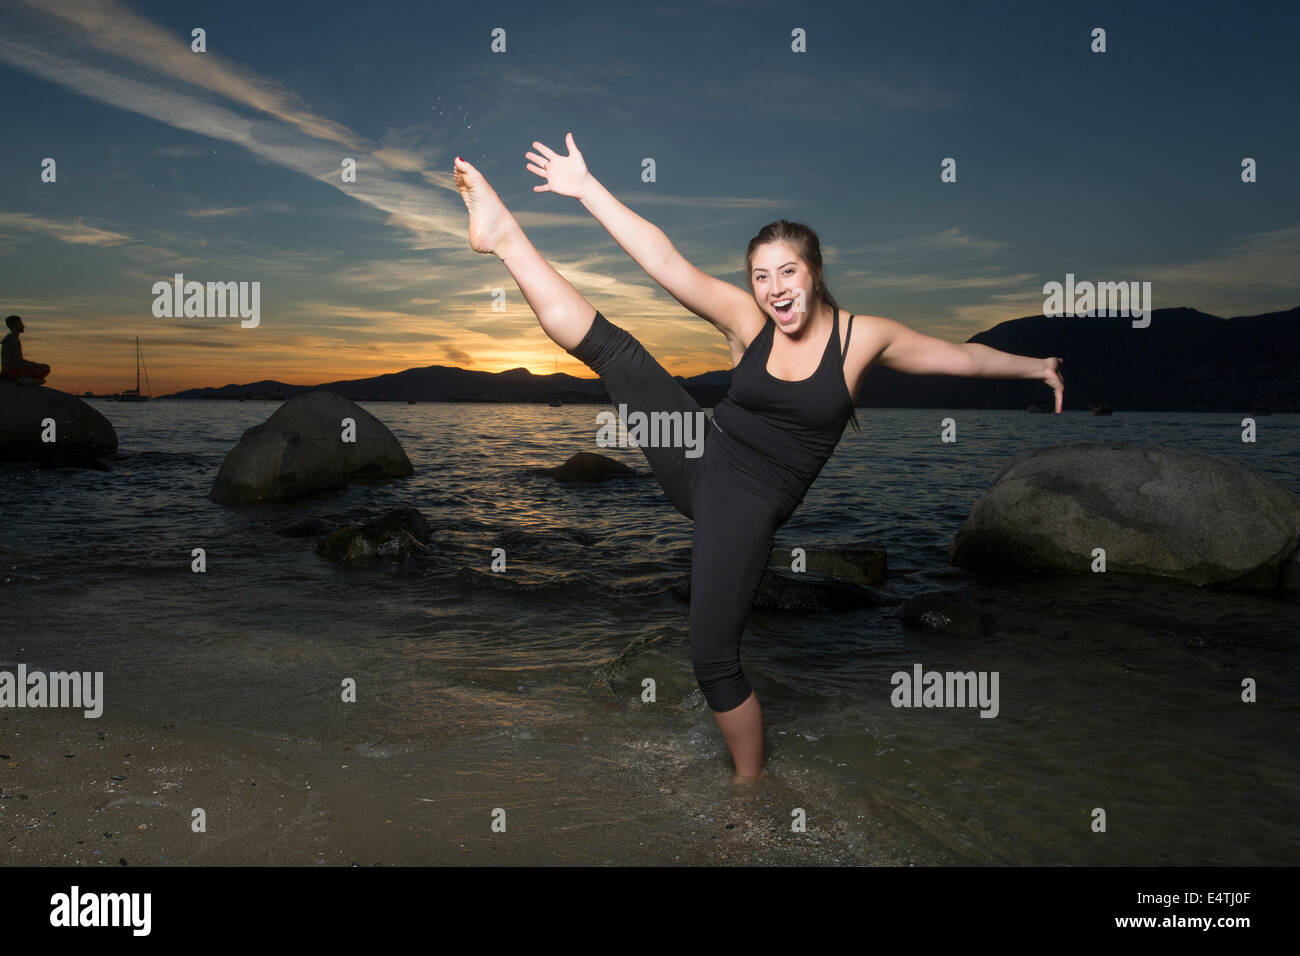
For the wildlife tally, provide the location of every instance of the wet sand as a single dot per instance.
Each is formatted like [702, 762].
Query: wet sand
[120, 790]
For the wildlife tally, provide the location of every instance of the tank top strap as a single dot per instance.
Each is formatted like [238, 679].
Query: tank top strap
[759, 345]
[835, 331]
[844, 352]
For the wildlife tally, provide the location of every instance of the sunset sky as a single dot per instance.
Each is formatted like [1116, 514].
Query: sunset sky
[225, 166]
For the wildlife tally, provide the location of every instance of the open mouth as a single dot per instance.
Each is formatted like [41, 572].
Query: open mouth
[784, 309]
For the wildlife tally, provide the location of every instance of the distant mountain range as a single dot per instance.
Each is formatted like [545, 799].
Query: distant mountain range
[1184, 360]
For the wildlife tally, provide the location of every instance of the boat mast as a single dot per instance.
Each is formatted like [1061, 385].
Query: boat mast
[137, 365]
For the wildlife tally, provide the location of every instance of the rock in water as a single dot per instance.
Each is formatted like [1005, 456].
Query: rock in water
[853, 565]
[397, 534]
[789, 591]
[802, 592]
[84, 438]
[1154, 510]
[588, 466]
[947, 611]
[313, 527]
[301, 450]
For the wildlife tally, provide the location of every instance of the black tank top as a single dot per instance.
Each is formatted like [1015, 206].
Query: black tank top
[791, 427]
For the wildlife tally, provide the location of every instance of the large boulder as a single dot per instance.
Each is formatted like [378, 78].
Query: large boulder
[1154, 510]
[300, 450]
[84, 438]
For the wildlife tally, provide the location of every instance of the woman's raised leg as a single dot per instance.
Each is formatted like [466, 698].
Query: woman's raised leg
[637, 383]
[565, 315]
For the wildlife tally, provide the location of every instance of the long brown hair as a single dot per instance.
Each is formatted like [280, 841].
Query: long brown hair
[809, 248]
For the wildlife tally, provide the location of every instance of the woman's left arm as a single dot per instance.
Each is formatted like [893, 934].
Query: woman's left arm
[905, 350]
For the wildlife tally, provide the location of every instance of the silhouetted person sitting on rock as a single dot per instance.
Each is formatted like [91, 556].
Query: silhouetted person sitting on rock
[12, 364]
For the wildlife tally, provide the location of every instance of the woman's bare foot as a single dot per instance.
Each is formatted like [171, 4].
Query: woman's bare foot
[741, 778]
[490, 223]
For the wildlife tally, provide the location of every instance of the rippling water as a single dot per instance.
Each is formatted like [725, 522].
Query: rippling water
[1115, 692]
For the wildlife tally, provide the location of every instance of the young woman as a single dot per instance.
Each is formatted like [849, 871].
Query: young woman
[796, 371]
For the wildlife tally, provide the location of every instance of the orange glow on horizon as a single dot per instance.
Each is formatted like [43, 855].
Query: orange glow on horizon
[78, 374]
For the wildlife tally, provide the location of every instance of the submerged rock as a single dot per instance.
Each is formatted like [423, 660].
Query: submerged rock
[76, 458]
[800, 592]
[588, 466]
[398, 534]
[306, 528]
[790, 591]
[84, 438]
[301, 450]
[952, 612]
[1154, 510]
[852, 565]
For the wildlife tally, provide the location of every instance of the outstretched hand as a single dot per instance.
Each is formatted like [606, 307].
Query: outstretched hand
[566, 175]
[1053, 377]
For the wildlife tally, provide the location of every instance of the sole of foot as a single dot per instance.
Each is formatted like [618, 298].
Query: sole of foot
[490, 223]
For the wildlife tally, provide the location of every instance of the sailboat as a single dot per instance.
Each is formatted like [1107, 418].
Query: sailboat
[134, 394]
[555, 402]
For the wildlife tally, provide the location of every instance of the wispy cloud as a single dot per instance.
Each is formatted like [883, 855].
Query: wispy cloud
[457, 356]
[945, 240]
[293, 138]
[966, 320]
[216, 212]
[180, 151]
[116, 29]
[77, 233]
[1259, 267]
[1261, 259]
[937, 281]
[706, 202]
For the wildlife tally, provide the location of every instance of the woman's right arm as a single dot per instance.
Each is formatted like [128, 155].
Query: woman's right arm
[729, 308]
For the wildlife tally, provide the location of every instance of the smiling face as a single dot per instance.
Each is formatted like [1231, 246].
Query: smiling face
[783, 285]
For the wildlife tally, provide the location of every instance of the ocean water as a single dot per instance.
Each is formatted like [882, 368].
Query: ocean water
[1115, 692]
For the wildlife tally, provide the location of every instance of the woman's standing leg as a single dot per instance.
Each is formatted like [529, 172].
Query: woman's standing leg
[734, 530]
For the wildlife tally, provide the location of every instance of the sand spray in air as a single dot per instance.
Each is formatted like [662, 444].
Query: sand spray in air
[458, 113]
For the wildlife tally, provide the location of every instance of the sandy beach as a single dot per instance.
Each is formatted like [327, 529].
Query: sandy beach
[120, 792]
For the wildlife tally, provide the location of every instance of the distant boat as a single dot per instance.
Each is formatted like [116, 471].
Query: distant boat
[410, 401]
[1101, 409]
[1039, 407]
[134, 394]
[555, 402]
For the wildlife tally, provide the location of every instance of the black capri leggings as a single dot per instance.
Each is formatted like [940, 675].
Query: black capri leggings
[734, 524]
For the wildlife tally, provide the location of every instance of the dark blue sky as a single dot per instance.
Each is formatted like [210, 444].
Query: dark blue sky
[1122, 166]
